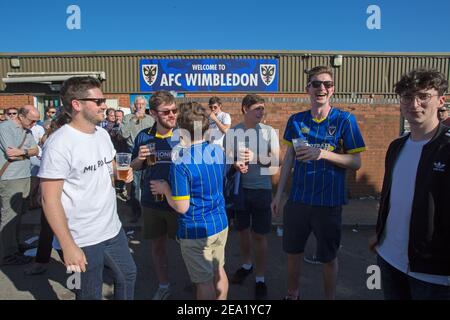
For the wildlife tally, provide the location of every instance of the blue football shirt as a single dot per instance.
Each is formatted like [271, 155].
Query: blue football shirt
[321, 183]
[197, 174]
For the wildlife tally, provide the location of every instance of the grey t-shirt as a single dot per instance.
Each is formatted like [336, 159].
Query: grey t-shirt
[11, 135]
[261, 142]
[132, 126]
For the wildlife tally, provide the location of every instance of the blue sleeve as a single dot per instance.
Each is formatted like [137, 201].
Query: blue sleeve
[179, 182]
[351, 135]
[137, 144]
[287, 137]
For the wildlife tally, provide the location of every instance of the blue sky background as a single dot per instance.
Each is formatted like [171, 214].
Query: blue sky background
[406, 26]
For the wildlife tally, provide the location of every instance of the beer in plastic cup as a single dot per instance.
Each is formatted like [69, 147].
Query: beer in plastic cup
[151, 158]
[297, 143]
[123, 161]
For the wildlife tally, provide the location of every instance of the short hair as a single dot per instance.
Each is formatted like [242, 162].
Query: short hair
[214, 100]
[319, 70]
[160, 98]
[50, 107]
[23, 111]
[118, 110]
[250, 100]
[139, 98]
[421, 79]
[12, 108]
[191, 114]
[76, 88]
[109, 110]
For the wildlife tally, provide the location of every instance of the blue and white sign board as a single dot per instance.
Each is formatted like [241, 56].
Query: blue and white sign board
[252, 75]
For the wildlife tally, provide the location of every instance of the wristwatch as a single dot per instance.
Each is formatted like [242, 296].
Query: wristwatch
[25, 153]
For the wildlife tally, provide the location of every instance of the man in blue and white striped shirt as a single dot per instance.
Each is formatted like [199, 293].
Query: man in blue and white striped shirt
[322, 143]
[196, 178]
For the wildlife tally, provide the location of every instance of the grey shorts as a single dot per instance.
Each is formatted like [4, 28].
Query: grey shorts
[325, 222]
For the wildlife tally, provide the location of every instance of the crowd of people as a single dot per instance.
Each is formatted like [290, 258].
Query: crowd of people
[182, 160]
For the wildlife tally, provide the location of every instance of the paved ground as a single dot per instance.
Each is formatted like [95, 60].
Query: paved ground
[354, 258]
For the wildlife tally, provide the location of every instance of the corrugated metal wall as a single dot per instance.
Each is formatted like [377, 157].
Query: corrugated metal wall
[358, 75]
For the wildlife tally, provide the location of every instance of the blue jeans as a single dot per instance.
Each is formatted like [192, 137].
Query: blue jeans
[400, 286]
[115, 254]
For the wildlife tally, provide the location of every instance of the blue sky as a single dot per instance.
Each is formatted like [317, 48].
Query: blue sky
[406, 26]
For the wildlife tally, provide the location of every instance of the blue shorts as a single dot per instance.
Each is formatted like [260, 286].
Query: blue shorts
[256, 213]
[325, 222]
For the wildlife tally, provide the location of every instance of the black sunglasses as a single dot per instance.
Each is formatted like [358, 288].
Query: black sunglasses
[316, 84]
[442, 110]
[98, 101]
[167, 112]
[12, 113]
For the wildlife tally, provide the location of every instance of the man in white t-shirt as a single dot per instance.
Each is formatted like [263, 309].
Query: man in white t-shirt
[219, 121]
[78, 195]
[413, 227]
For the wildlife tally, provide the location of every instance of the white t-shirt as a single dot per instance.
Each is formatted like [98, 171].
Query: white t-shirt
[215, 135]
[38, 132]
[84, 161]
[394, 244]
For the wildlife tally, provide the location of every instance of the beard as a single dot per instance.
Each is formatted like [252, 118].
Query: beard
[166, 124]
[94, 119]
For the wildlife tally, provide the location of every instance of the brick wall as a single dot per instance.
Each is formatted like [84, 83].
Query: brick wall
[7, 101]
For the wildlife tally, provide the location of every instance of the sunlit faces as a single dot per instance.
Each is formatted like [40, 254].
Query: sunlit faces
[140, 105]
[320, 89]
[216, 108]
[166, 115]
[255, 112]
[119, 116]
[421, 107]
[111, 116]
[93, 110]
[29, 120]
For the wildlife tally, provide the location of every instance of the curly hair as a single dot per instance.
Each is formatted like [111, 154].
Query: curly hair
[421, 79]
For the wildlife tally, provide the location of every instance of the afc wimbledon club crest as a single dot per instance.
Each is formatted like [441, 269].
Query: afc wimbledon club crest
[267, 73]
[331, 130]
[150, 73]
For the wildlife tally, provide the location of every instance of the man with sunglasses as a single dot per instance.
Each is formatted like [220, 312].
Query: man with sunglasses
[160, 220]
[78, 196]
[132, 125]
[17, 146]
[413, 227]
[11, 113]
[219, 122]
[328, 142]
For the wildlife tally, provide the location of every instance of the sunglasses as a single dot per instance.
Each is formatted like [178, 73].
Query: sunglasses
[213, 107]
[12, 113]
[442, 110]
[98, 101]
[52, 112]
[167, 112]
[316, 84]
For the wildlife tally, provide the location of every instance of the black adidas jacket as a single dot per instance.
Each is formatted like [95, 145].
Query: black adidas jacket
[429, 231]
